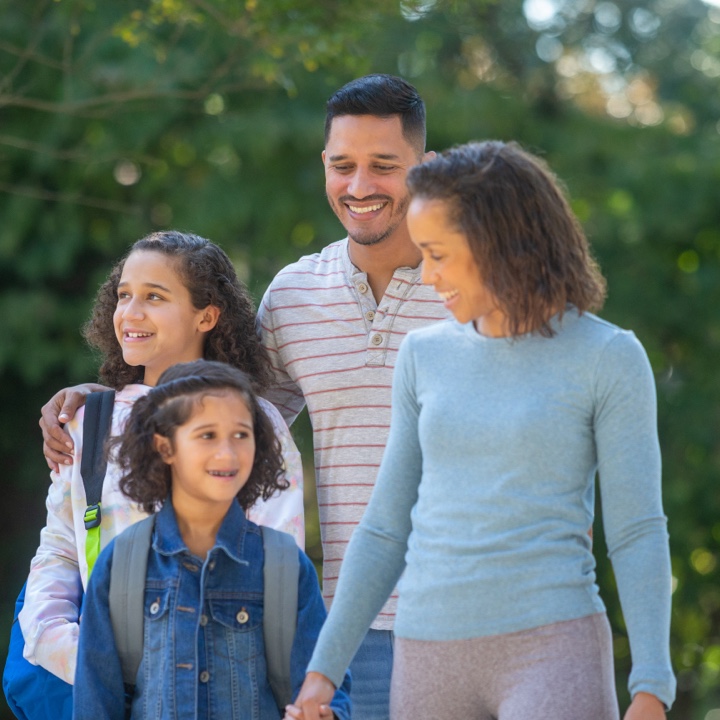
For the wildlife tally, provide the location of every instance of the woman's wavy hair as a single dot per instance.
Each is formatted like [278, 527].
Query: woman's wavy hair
[530, 248]
[209, 276]
[146, 478]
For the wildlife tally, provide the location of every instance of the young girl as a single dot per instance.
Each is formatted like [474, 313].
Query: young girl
[199, 444]
[500, 422]
[175, 297]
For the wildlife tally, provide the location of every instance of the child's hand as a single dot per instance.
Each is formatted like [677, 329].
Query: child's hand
[313, 701]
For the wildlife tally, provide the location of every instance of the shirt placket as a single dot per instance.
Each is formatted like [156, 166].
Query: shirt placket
[379, 319]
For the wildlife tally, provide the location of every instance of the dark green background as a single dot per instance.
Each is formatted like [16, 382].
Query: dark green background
[205, 115]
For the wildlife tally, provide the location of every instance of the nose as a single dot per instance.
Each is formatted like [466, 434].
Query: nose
[361, 184]
[428, 274]
[133, 309]
[225, 449]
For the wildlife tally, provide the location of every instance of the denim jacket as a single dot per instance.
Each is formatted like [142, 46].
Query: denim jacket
[204, 654]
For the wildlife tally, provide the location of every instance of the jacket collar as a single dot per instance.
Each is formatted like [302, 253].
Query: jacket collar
[230, 538]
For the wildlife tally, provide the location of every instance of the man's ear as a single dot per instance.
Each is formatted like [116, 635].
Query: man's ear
[209, 319]
[429, 155]
[163, 447]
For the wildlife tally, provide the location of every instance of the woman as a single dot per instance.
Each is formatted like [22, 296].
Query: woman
[486, 490]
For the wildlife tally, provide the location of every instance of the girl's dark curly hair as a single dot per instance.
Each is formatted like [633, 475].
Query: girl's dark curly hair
[210, 278]
[530, 249]
[146, 478]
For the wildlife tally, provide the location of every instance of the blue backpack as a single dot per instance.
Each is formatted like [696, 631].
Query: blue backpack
[32, 692]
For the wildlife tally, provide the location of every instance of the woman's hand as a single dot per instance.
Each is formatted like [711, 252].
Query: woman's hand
[645, 706]
[313, 701]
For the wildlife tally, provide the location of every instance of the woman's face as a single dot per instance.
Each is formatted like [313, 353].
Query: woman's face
[450, 267]
[155, 321]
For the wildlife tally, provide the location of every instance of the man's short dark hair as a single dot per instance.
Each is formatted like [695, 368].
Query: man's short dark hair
[382, 96]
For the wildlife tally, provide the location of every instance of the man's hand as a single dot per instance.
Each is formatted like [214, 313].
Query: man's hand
[645, 706]
[62, 407]
[313, 701]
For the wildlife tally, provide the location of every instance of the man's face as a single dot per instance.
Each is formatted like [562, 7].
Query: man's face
[366, 160]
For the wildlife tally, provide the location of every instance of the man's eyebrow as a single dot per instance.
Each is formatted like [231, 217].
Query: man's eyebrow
[377, 156]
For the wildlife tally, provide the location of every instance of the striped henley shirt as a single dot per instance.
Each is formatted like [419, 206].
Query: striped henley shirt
[334, 348]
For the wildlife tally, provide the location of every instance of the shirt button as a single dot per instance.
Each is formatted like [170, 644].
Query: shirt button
[242, 617]
[204, 676]
[370, 315]
[203, 620]
[362, 287]
[376, 339]
[154, 608]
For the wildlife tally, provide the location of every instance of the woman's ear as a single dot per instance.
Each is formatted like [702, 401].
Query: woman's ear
[163, 447]
[209, 318]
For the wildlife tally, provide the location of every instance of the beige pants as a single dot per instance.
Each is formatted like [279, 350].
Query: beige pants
[562, 671]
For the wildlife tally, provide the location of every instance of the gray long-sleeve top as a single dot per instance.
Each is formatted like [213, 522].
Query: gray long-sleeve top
[485, 494]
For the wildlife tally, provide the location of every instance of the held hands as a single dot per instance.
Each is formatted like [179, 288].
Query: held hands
[62, 407]
[313, 701]
[645, 707]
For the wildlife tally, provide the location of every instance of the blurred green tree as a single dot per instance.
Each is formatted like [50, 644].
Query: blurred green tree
[207, 115]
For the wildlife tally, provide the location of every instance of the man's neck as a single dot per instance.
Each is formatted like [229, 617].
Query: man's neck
[380, 261]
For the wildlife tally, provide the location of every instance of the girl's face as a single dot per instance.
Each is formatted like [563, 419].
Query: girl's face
[450, 267]
[155, 321]
[212, 453]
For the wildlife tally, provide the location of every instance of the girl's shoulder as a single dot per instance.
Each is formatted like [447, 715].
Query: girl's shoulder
[273, 414]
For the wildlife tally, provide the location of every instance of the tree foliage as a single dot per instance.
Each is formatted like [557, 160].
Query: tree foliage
[117, 119]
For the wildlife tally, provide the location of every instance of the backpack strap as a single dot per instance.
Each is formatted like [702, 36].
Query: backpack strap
[127, 594]
[281, 573]
[93, 465]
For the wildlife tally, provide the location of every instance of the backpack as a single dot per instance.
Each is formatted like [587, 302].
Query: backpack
[31, 691]
[280, 597]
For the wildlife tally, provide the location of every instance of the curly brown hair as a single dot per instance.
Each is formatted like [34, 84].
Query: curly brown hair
[529, 246]
[146, 478]
[209, 276]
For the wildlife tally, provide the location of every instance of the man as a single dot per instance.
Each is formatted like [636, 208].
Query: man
[333, 322]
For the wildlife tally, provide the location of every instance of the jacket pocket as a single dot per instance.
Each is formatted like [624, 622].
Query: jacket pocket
[237, 614]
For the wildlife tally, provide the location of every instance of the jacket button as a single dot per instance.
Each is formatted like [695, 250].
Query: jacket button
[155, 608]
[242, 617]
[203, 620]
[204, 676]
